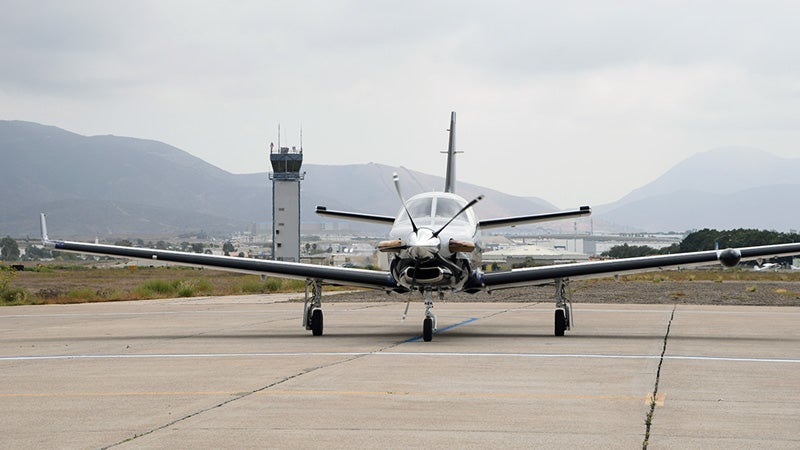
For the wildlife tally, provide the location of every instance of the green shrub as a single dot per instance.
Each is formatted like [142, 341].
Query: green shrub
[82, 294]
[157, 288]
[192, 288]
[14, 296]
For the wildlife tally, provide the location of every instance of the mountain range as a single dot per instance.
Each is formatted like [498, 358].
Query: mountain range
[121, 186]
[723, 188]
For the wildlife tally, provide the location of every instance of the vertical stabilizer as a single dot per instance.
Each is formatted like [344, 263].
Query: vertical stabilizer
[450, 177]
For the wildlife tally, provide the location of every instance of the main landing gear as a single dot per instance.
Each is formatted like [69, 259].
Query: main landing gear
[312, 309]
[563, 315]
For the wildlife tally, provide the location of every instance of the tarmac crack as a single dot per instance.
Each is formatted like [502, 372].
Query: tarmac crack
[649, 418]
[248, 394]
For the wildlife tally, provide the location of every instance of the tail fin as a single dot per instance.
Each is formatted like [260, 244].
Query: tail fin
[450, 178]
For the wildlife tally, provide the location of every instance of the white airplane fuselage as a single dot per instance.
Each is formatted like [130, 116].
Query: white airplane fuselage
[425, 260]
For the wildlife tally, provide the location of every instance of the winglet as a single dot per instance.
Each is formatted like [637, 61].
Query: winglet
[43, 229]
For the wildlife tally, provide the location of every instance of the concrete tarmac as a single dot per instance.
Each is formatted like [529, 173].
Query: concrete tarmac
[240, 372]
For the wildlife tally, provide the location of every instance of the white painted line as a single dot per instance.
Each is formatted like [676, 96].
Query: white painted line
[415, 354]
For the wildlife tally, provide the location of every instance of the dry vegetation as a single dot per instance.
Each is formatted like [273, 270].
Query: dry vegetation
[76, 283]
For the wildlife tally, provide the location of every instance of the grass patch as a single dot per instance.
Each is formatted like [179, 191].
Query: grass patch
[156, 288]
[715, 275]
[55, 283]
[84, 293]
[254, 285]
[159, 288]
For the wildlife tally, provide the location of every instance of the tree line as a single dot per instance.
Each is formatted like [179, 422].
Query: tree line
[709, 239]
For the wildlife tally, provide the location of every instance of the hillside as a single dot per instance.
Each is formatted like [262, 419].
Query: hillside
[732, 187]
[120, 186]
[127, 187]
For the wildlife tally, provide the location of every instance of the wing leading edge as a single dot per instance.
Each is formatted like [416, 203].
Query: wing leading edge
[325, 274]
[597, 269]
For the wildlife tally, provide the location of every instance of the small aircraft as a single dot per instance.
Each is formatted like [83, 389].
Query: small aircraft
[765, 267]
[435, 248]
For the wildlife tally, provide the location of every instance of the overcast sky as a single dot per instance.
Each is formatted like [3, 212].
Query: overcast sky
[577, 102]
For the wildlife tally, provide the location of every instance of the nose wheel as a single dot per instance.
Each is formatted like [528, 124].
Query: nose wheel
[429, 324]
[427, 329]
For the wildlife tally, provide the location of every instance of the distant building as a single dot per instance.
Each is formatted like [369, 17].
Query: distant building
[532, 255]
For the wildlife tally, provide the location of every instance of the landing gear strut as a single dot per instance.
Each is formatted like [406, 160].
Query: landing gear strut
[312, 309]
[429, 324]
[563, 315]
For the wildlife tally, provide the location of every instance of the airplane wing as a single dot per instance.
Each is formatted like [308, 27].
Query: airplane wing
[326, 274]
[598, 269]
[546, 217]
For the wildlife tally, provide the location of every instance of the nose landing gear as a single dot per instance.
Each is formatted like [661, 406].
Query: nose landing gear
[429, 324]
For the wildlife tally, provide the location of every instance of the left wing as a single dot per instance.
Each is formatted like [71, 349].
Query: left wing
[326, 274]
[597, 269]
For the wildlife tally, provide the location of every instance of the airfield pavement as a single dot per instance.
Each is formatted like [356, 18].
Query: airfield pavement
[240, 372]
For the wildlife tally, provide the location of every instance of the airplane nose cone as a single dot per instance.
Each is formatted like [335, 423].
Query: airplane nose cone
[422, 244]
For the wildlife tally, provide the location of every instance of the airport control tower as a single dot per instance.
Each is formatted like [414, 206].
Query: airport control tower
[286, 178]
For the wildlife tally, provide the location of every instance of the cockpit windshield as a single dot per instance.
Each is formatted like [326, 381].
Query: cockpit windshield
[428, 211]
[420, 208]
[448, 207]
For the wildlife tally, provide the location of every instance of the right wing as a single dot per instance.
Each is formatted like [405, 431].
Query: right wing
[598, 269]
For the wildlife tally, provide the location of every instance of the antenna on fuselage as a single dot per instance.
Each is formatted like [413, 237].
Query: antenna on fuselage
[450, 175]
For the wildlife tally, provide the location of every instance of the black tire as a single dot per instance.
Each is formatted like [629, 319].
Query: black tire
[316, 322]
[427, 329]
[560, 322]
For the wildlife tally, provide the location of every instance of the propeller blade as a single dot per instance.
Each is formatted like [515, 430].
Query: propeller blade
[396, 180]
[466, 207]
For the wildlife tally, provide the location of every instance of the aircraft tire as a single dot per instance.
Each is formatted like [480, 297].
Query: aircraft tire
[560, 322]
[427, 329]
[316, 322]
